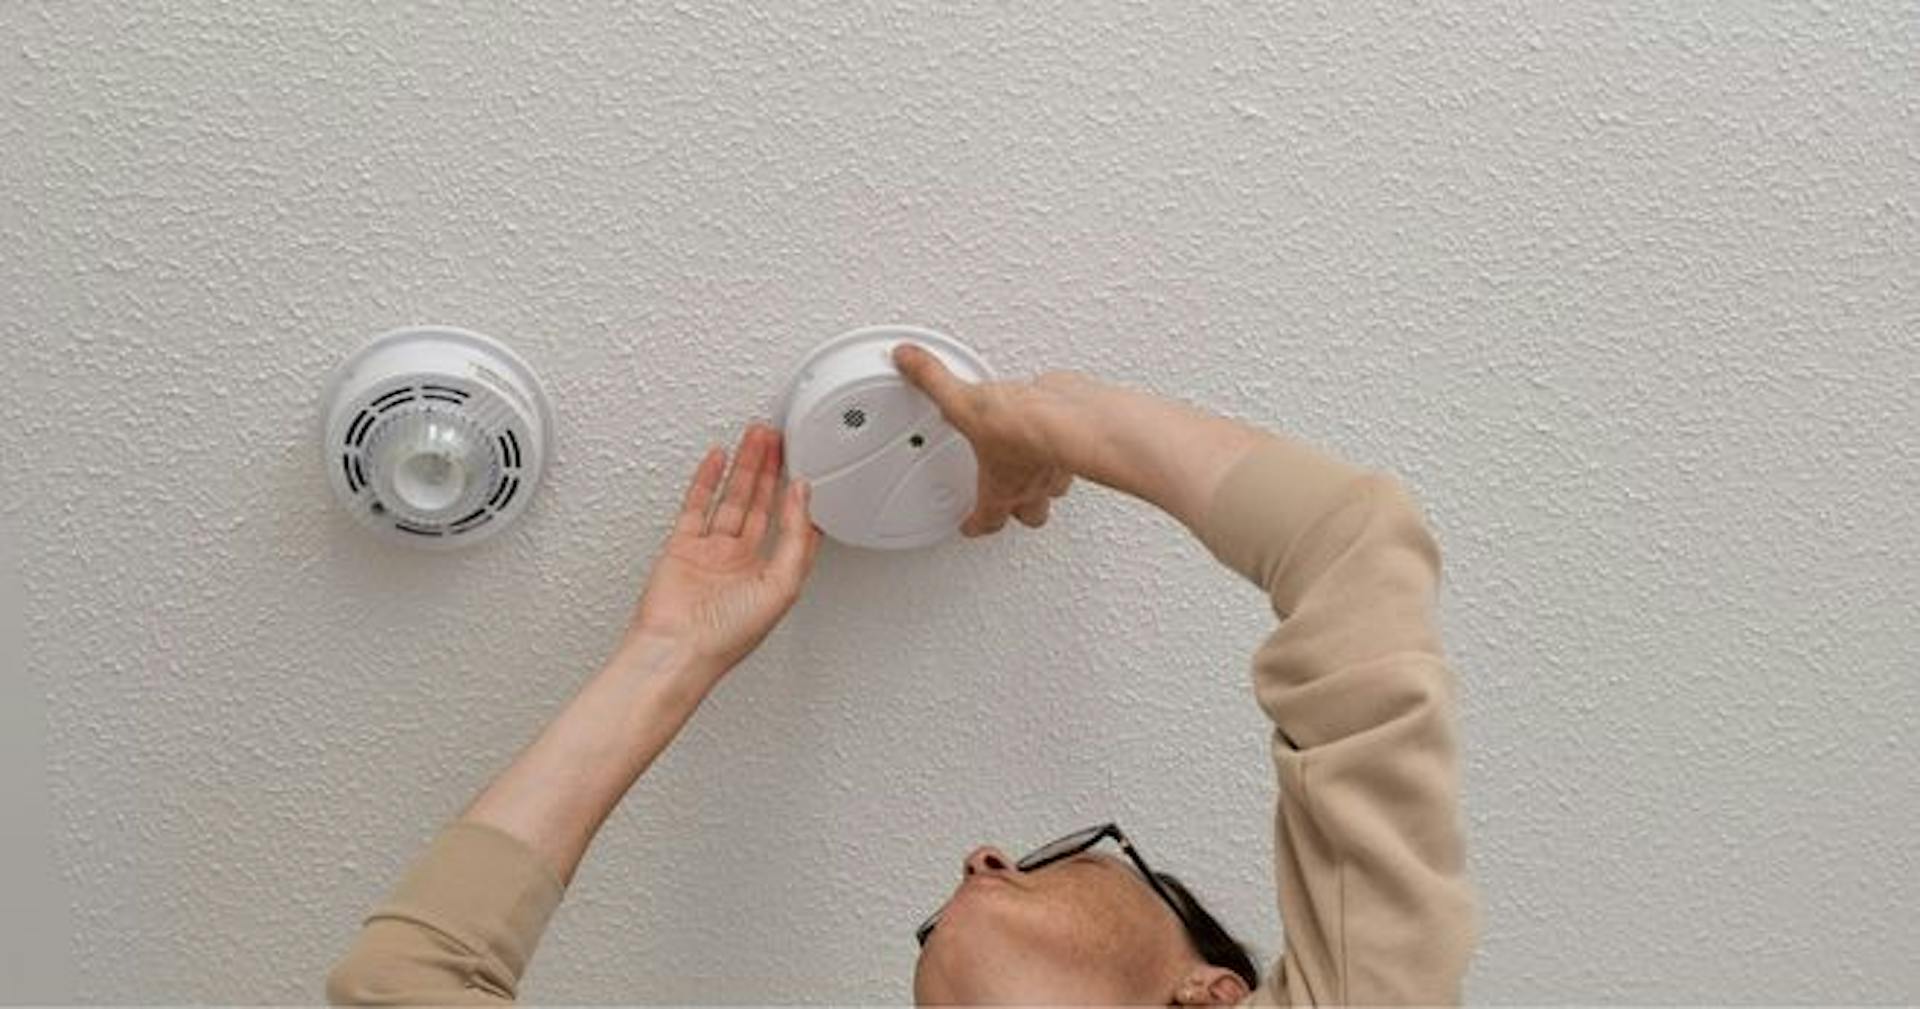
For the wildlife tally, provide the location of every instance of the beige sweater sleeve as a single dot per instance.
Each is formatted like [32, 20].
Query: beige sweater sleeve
[1368, 851]
[457, 930]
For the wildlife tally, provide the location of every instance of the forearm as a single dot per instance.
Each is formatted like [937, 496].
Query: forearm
[1160, 450]
[560, 788]
[463, 922]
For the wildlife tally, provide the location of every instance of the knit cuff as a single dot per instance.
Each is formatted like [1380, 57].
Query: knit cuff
[484, 888]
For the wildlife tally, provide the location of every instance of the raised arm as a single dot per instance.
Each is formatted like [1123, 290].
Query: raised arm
[463, 922]
[1368, 848]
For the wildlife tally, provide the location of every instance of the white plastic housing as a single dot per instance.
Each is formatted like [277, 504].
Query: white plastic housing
[434, 436]
[887, 471]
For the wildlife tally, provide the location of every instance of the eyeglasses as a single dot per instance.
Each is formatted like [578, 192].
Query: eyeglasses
[1067, 847]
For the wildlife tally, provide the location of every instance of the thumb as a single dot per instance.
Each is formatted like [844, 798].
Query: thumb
[953, 396]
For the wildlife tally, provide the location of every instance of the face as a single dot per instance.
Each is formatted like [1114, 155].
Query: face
[1085, 929]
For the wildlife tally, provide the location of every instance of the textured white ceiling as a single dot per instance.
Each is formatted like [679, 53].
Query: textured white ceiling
[1630, 293]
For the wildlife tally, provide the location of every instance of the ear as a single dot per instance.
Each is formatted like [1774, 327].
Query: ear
[1206, 984]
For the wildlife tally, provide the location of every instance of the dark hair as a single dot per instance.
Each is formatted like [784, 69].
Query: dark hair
[1216, 946]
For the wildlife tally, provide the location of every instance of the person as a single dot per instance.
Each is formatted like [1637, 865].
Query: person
[1375, 901]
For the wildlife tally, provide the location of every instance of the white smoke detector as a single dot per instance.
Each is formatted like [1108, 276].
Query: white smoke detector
[887, 470]
[435, 436]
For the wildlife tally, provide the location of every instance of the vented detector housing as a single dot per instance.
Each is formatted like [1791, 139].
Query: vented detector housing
[887, 470]
[435, 436]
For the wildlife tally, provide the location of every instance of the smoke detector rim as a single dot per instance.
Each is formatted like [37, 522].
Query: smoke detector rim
[890, 333]
[475, 340]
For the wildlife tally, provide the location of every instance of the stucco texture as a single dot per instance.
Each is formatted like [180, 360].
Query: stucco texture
[1628, 293]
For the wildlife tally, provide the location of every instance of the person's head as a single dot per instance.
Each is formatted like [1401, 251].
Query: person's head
[1069, 924]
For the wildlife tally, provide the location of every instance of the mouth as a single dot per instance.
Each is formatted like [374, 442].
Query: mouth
[968, 884]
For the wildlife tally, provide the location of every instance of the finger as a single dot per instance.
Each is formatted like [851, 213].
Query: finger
[1033, 514]
[706, 479]
[799, 540]
[1060, 485]
[950, 394]
[732, 513]
[760, 512]
[984, 522]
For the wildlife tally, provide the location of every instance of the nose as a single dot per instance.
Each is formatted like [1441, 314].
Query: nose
[988, 859]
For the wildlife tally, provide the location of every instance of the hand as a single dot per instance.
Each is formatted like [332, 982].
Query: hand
[1020, 473]
[710, 590]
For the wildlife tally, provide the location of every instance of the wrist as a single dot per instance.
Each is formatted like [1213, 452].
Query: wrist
[1074, 411]
[1060, 409]
[1160, 450]
[652, 655]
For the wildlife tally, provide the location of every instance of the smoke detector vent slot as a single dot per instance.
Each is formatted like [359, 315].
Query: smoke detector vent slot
[503, 493]
[470, 526]
[358, 430]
